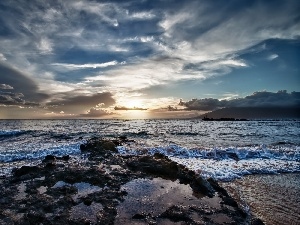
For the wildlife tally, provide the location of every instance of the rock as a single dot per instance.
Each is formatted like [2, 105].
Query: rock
[49, 158]
[64, 158]
[159, 167]
[98, 146]
[34, 217]
[201, 185]
[139, 216]
[50, 165]
[256, 221]
[176, 213]
[25, 170]
[159, 155]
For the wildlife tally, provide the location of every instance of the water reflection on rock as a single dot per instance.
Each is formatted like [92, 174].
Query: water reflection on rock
[148, 199]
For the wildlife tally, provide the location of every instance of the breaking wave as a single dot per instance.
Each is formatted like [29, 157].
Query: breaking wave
[68, 149]
[227, 163]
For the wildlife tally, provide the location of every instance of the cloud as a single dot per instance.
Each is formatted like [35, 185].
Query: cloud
[48, 50]
[21, 83]
[8, 98]
[45, 46]
[85, 66]
[272, 57]
[205, 104]
[80, 103]
[143, 15]
[5, 86]
[97, 112]
[257, 99]
[2, 57]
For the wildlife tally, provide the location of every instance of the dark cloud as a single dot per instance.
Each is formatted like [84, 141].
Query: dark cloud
[257, 99]
[21, 83]
[128, 108]
[204, 104]
[92, 100]
[15, 99]
[8, 98]
[77, 104]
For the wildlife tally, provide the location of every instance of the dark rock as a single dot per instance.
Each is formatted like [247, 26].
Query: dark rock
[98, 146]
[201, 185]
[159, 167]
[25, 170]
[139, 216]
[50, 165]
[34, 217]
[64, 158]
[49, 158]
[88, 201]
[176, 214]
[159, 155]
[230, 201]
[256, 221]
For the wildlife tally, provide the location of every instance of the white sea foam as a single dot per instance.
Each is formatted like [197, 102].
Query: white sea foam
[227, 163]
[68, 149]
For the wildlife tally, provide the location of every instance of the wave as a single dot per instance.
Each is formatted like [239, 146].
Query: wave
[70, 149]
[227, 163]
[216, 153]
[10, 133]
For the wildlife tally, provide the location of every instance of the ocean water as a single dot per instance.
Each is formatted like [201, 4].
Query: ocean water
[224, 150]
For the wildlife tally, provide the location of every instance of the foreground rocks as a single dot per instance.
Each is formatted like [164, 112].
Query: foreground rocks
[105, 188]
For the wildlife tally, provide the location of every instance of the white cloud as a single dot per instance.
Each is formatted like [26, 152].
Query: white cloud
[2, 57]
[45, 46]
[6, 87]
[103, 10]
[86, 66]
[143, 15]
[272, 57]
[225, 35]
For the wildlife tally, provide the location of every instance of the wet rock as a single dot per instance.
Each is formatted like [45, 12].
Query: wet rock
[34, 217]
[159, 155]
[176, 214]
[25, 170]
[201, 185]
[50, 165]
[98, 146]
[159, 167]
[256, 221]
[49, 158]
[139, 216]
[64, 158]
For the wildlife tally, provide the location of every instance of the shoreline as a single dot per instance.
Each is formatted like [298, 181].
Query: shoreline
[101, 189]
[274, 198]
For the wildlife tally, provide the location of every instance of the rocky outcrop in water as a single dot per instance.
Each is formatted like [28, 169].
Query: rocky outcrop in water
[103, 187]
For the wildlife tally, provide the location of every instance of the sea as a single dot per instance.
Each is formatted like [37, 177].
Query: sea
[238, 154]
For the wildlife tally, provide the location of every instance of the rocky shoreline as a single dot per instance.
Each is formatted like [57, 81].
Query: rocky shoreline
[108, 188]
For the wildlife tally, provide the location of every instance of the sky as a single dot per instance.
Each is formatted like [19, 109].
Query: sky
[177, 59]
